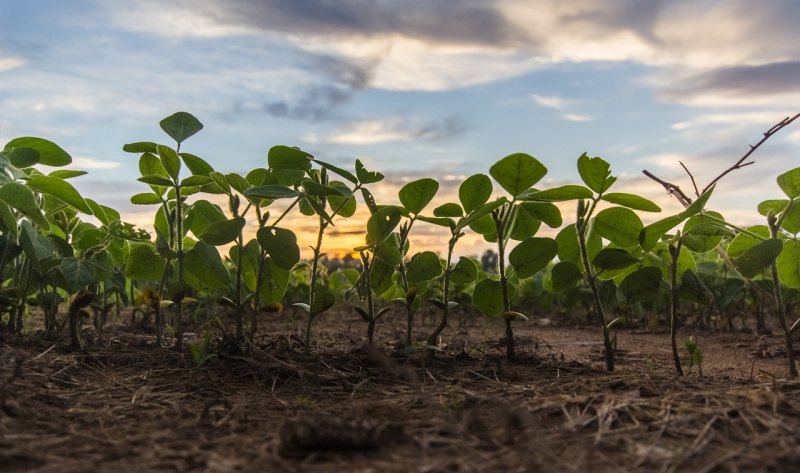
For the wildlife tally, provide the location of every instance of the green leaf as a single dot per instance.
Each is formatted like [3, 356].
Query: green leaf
[224, 232]
[381, 224]
[346, 206]
[743, 242]
[698, 205]
[180, 126]
[619, 225]
[60, 189]
[568, 249]
[341, 172]
[238, 182]
[595, 173]
[544, 212]
[146, 198]
[323, 300]
[651, 234]
[170, 161]
[367, 177]
[389, 250]
[474, 192]
[440, 221]
[424, 266]
[791, 220]
[50, 154]
[416, 195]
[565, 275]
[789, 183]
[36, 247]
[488, 296]
[197, 165]
[284, 157]
[613, 258]
[480, 212]
[201, 215]
[448, 210]
[155, 180]
[76, 274]
[193, 181]
[204, 267]
[632, 201]
[641, 285]
[559, 194]
[380, 277]
[486, 227]
[140, 147]
[22, 157]
[150, 164]
[701, 234]
[775, 206]
[281, 245]
[532, 255]
[788, 263]
[21, 197]
[271, 192]
[143, 263]
[67, 173]
[758, 257]
[317, 189]
[516, 173]
[524, 225]
[464, 272]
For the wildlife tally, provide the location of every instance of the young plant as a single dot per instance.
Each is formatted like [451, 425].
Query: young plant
[513, 220]
[580, 244]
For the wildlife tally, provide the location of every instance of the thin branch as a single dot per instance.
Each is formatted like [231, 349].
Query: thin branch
[741, 162]
[671, 189]
[694, 184]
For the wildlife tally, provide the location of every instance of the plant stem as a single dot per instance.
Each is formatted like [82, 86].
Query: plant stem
[312, 289]
[776, 284]
[432, 339]
[674, 251]
[500, 218]
[580, 228]
[179, 262]
[239, 308]
[370, 301]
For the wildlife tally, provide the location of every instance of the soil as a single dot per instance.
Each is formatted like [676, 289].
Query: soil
[123, 404]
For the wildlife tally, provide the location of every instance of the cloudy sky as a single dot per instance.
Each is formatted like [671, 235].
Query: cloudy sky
[412, 87]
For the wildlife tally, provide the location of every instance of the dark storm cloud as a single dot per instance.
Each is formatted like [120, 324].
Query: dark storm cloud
[444, 21]
[762, 80]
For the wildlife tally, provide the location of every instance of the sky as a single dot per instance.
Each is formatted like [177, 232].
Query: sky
[413, 88]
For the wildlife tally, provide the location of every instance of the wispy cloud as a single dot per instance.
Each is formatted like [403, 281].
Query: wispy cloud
[368, 132]
[82, 162]
[11, 62]
[561, 104]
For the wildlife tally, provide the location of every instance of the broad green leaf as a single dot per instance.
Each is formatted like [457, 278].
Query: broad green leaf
[317, 189]
[651, 234]
[60, 189]
[424, 266]
[488, 296]
[180, 126]
[698, 205]
[170, 160]
[197, 165]
[758, 257]
[595, 173]
[150, 164]
[568, 248]
[632, 201]
[381, 224]
[36, 247]
[613, 258]
[619, 225]
[661, 258]
[565, 275]
[416, 195]
[341, 172]
[285, 157]
[380, 277]
[448, 210]
[775, 206]
[50, 154]
[67, 173]
[88, 238]
[641, 285]
[238, 182]
[389, 250]
[260, 177]
[196, 180]
[22, 157]
[517, 172]
[701, 234]
[323, 300]
[789, 183]
[485, 226]
[464, 272]
[692, 289]
[440, 221]
[791, 220]
[140, 147]
[204, 267]
[274, 282]
[76, 274]
[271, 192]
[474, 192]
[544, 212]
[559, 194]
[21, 197]
[788, 263]
[367, 177]
[532, 255]
[281, 245]
[8, 219]
[345, 206]
[201, 215]
[143, 263]
[223, 232]
[480, 212]
[155, 180]
[743, 242]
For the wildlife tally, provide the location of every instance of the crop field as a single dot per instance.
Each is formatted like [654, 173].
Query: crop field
[599, 333]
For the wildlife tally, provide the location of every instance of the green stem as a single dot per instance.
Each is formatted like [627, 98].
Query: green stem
[433, 338]
[179, 263]
[674, 251]
[501, 218]
[776, 284]
[312, 290]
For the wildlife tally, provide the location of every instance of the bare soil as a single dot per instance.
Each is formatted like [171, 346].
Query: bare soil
[123, 404]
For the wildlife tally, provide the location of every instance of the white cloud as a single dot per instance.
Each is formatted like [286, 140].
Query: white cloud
[560, 104]
[574, 117]
[83, 162]
[11, 62]
[368, 132]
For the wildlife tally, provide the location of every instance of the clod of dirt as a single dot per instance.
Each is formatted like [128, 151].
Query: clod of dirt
[304, 436]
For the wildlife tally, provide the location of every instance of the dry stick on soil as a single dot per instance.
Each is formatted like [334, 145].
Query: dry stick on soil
[685, 200]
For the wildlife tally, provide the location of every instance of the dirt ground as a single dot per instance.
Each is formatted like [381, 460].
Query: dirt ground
[124, 405]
